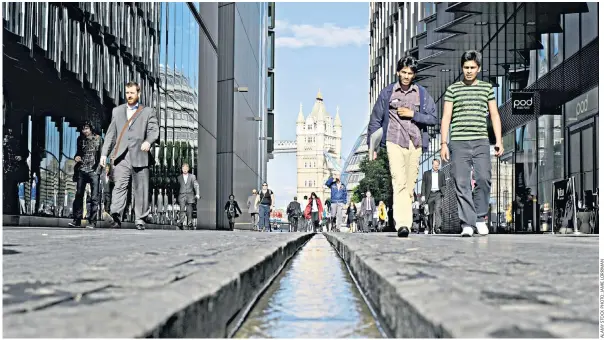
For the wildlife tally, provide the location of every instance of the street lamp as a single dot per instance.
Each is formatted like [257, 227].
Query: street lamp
[265, 138]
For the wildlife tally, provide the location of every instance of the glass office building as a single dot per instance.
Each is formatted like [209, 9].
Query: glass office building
[549, 50]
[67, 63]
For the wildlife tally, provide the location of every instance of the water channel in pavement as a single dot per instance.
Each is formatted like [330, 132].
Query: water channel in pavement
[314, 296]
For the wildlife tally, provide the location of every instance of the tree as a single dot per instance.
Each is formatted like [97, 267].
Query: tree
[377, 179]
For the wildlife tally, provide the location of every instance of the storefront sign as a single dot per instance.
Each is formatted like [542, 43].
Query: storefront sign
[582, 106]
[523, 103]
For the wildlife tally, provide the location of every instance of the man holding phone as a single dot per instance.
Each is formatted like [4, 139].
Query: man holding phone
[402, 114]
[467, 106]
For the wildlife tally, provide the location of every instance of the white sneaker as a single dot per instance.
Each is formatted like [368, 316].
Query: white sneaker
[426, 231]
[482, 228]
[467, 232]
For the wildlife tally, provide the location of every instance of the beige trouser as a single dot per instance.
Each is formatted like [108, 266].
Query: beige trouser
[404, 167]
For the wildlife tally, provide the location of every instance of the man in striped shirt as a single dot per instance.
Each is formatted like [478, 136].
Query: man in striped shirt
[468, 103]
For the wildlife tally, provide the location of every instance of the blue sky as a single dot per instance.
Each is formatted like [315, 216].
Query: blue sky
[318, 46]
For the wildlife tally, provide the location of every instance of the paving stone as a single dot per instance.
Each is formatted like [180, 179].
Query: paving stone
[497, 286]
[127, 283]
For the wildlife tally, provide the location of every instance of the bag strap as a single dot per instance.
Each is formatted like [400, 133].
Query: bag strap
[119, 139]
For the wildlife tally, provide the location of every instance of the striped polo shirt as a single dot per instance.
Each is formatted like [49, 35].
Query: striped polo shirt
[470, 109]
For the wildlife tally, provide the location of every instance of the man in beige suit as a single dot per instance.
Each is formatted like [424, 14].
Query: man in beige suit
[189, 191]
[132, 131]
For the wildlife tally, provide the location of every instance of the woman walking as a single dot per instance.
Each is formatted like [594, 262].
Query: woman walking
[314, 210]
[351, 213]
[231, 208]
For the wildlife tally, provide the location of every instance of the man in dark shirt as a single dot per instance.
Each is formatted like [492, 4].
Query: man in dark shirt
[266, 200]
[403, 111]
[87, 171]
[294, 211]
[433, 191]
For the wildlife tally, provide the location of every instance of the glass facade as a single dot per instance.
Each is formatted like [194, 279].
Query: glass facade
[85, 53]
[560, 140]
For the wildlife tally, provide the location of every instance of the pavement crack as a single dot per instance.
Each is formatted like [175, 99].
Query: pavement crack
[181, 263]
[74, 297]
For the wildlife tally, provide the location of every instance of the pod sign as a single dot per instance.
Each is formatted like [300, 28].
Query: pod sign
[523, 103]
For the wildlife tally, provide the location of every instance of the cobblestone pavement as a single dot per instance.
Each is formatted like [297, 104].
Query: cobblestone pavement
[495, 286]
[125, 283]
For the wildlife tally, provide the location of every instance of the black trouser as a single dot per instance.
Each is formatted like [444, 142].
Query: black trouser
[434, 210]
[314, 216]
[293, 223]
[91, 178]
[107, 199]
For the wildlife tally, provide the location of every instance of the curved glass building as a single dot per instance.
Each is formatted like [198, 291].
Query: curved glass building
[352, 175]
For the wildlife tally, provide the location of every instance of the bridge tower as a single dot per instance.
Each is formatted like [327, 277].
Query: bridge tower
[318, 149]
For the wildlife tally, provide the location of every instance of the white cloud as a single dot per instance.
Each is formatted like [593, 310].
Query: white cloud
[328, 35]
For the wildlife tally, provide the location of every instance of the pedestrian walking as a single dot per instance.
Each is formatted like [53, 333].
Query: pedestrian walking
[433, 192]
[21, 193]
[189, 192]
[367, 211]
[132, 131]
[252, 209]
[87, 171]
[294, 211]
[339, 197]
[33, 193]
[382, 216]
[231, 208]
[402, 114]
[314, 211]
[351, 217]
[468, 104]
[266, 200]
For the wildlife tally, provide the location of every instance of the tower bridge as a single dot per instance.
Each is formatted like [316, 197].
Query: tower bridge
[318, 149]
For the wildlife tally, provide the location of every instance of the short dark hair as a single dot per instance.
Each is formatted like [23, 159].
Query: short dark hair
[87, 124]
[471, 55]
[134, 84]
[436, 160]
[407, 61]
[187, 164]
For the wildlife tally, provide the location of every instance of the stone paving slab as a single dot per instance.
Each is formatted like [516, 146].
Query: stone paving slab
[63, 222]
[126, 283]
[515, 286]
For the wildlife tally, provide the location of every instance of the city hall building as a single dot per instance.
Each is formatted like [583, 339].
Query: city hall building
[543, 53]
[203, 67]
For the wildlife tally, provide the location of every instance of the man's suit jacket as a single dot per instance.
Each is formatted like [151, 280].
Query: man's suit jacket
[144, 127]
[427, 183]
[363, 207]
[188, 190]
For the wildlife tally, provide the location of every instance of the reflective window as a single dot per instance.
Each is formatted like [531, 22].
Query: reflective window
[589, 24]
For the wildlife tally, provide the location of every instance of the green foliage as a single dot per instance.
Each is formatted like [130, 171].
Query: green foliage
[377, 179]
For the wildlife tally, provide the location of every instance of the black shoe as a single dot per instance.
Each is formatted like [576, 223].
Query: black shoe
[75, 224]
[403, 232]
[116, 221]
[140, 227]
[91, 225]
